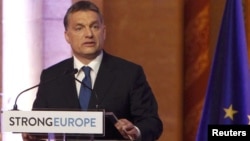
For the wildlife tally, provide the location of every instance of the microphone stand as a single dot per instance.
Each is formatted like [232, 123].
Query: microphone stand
[15, 107]
[92, 91]
[67, 72]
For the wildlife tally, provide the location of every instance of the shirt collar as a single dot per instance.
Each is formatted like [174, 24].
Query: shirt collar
[94, 64]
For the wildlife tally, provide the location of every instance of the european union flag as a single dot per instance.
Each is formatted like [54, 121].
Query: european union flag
[227, 92]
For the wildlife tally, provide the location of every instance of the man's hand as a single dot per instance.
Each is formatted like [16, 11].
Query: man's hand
[127, 129]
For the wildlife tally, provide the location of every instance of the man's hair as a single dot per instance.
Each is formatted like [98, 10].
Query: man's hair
[81, 6]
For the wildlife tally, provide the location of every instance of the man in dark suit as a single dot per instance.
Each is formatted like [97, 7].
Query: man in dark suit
[119, 86]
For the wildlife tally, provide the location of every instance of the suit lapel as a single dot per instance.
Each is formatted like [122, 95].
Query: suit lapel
[102, 82]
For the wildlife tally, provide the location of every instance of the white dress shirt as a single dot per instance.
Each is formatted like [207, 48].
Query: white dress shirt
[94, 65]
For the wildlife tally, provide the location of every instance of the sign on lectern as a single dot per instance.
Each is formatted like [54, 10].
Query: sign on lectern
[83, 122]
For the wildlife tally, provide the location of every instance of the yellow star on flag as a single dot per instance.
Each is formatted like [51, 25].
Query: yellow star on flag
[248, 119]
[230, 112]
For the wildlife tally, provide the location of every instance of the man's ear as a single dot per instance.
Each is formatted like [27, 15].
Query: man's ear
[104, 32]
[66, 36]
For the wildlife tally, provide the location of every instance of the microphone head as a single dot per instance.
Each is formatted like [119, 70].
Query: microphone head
[75, 71]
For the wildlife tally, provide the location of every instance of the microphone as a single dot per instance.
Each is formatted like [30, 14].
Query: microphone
[92, 91]
[67, 72]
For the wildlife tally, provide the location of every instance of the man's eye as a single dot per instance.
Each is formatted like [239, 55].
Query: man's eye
[96, 26]
[78, 28]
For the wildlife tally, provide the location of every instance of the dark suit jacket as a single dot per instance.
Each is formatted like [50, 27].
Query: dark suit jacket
[121, 87]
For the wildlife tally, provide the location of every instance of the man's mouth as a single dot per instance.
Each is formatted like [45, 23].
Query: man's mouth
[88, 44]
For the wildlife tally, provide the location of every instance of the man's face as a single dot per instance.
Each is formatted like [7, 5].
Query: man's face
[86, 34]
